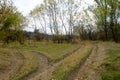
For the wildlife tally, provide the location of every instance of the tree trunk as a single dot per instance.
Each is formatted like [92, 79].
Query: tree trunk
[106, 32]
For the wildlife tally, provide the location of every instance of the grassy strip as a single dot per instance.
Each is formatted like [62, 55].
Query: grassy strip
[29, 65]
[111, 68]
[54, 52]
[71, 63]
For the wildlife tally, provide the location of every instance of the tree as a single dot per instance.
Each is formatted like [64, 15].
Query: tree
[101, 13]
[12, 22]
[107, 13]
[63, 20]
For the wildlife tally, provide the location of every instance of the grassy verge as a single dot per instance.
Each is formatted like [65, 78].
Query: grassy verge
[54, 52]
[111, 67]
[71, 63]
[29, 65]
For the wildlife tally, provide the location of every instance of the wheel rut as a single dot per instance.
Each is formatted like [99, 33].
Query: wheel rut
[42, 62]
[90, 69]
[45, 68]
[16, 63]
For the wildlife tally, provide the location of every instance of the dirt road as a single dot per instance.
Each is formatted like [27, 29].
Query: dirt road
[16, 63]
[42, 62]
[91, 70]
[45, 69]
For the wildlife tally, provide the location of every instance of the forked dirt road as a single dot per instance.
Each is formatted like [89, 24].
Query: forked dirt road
[45, 69]
[89, 70]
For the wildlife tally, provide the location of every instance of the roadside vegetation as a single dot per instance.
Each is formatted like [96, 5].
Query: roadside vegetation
[111, 67]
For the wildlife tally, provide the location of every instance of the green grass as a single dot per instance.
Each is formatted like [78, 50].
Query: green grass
[69, 64]
[112, 64]
[54, 52]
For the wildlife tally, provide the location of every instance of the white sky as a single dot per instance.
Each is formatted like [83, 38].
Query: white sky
[25, 6]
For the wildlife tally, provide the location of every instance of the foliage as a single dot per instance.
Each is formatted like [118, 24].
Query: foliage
[56, 20]
[11, 21]
[107, 18]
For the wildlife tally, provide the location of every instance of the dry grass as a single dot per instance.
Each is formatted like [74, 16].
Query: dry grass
[5, 59]
[7, 56]
[29, 65]
[71, 63]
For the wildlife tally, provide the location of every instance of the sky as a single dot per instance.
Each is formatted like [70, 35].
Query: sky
[25, 6]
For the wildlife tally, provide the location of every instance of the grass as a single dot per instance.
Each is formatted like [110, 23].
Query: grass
[29, 65]
[69, 64]
[5, 58]
[54, 52]
[112, 64]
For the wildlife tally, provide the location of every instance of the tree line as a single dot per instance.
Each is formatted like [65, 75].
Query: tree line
[107, 15]
[62, 21]
[100, 21]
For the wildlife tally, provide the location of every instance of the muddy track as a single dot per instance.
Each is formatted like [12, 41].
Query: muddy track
[45, 68]
[16, 63]
[90, 69]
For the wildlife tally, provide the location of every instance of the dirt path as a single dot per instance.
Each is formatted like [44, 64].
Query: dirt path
[90, 70]
[45, 69]
[42, 65]
[16, 63]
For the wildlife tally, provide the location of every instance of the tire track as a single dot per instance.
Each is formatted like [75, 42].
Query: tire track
[90, 70]
[16, 63]
[45, 68]
[42, 62]
[47, 73]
